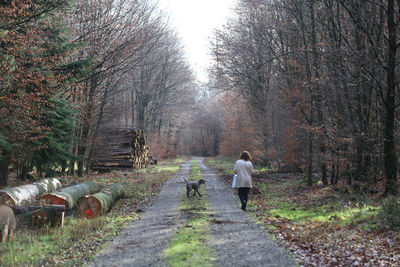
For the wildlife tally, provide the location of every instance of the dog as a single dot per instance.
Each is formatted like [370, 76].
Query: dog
[7, 220]
[193, 185]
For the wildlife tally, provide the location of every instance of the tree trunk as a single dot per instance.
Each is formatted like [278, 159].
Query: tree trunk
[318, 97]
[310, 160]
[70, 195]
[25, 194]
[3, 171]
[389, 145]
[94, 205]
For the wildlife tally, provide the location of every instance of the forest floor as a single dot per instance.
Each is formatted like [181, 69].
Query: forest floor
[323, 225]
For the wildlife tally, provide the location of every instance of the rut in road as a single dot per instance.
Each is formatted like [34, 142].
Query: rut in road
[236, 239]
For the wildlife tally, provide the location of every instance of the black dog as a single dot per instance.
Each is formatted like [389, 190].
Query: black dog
[193, 185]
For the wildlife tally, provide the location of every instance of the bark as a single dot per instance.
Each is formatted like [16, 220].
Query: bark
[3, 171]
[70, 195]
[94, 205]
[25, 194]
[389, 144]
[29, 209]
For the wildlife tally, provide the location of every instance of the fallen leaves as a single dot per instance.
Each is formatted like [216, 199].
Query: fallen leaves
[316, 243]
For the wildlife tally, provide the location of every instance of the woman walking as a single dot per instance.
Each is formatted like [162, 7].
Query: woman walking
[243, 169]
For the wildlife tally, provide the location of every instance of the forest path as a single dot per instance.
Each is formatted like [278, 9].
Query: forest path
[236, 240]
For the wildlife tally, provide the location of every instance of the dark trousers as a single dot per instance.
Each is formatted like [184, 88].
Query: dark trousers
[243, 193]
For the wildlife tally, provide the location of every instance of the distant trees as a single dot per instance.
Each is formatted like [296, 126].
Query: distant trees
[326, 72]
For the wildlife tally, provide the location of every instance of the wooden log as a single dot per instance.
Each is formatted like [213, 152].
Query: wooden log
[70, 195]
[94, 205]
[27, 209]
[26, 194]
[48, 215]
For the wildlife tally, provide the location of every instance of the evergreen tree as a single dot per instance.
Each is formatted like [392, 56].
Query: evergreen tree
[37, 72]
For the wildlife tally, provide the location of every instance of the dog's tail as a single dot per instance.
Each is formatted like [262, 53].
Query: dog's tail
[185, 180]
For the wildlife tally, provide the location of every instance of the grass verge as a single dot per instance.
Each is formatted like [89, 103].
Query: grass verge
[81, 239]
[189, 246]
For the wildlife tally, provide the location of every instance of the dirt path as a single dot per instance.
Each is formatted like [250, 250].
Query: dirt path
[236, 239]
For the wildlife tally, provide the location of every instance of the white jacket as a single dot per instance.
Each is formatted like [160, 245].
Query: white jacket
[243, 169]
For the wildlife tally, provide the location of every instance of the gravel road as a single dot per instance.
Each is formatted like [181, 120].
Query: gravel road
[236, 239]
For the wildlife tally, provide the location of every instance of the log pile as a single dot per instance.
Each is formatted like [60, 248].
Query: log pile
[44, 203]
[120, 148]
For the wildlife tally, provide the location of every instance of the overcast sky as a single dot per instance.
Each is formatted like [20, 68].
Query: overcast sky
[195, 21]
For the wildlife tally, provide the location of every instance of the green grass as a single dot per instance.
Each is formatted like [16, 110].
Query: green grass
[322, 206]
[45, 245]
[189, 246]
[321, 214]
[81, 239]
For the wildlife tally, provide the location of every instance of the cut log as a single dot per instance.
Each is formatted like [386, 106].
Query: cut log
[48, 215]
[26, 194]
[27, 209]
[70, 195]
[94, 205]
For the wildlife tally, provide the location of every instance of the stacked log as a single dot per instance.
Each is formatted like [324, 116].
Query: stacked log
[120, 148]
[70, 195]
[94, 205]
[26, 194]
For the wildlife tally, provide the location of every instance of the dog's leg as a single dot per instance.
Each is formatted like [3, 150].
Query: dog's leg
[198, 192]
[188, 189]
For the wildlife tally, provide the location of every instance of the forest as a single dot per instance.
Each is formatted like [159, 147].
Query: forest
[310, 86]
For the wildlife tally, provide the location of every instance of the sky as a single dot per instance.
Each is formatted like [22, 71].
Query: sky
[195, 21]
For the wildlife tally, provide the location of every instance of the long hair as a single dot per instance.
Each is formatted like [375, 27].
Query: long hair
[245, 156]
